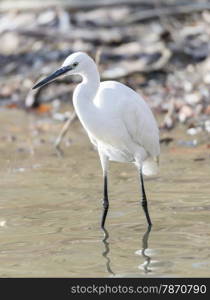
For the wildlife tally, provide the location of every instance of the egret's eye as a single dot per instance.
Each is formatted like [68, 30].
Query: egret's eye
[75, 64]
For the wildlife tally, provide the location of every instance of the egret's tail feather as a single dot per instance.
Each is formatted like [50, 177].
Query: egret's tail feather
[150, 166]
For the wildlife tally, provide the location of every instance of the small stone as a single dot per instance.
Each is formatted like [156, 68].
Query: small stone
[207, 125]
[46, 17]
[9, 43]
[193, 98]
[185, 113]
[188, 86]
[194, 131]
[206, 78]
[207, 110]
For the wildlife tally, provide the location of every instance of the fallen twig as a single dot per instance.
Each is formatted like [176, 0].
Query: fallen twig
[74, 4]
[65, 128]
[147, 14]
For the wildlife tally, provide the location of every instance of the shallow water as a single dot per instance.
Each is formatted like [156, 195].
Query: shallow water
[50, 208]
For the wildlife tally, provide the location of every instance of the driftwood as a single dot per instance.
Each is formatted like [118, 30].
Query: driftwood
[103, 35]
[146, 10]
[150, 59]
[84, 4]
[166, 11]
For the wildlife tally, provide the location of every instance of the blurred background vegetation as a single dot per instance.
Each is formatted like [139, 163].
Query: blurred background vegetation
[158, 47]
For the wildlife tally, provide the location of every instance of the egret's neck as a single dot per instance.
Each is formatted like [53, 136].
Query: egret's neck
[85, 92]
[84, 95]
[91, 80]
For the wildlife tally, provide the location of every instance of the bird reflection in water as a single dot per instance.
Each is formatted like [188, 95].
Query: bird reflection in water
[106, 251]
[142, 252]
[147, 258]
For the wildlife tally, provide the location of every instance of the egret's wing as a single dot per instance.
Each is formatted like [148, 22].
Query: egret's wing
[142, 125]
[126, 105]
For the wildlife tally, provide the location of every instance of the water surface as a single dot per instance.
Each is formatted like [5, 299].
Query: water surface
[50, 208]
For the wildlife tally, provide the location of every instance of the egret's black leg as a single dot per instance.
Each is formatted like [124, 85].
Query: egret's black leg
[144, 200]
[105, 202]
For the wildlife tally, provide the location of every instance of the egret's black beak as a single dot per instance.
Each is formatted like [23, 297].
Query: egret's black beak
[54, 75]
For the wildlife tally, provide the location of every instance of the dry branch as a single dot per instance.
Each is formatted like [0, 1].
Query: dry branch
[82, 4]
[166, 11]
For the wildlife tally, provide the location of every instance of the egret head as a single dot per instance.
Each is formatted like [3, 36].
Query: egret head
[76, 63]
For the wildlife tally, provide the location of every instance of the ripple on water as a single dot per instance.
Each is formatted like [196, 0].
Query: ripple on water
[50, 215]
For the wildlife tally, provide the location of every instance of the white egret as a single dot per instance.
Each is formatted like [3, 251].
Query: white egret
[117, 120]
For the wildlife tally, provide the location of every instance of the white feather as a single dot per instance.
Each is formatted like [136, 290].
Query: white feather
[150, 167]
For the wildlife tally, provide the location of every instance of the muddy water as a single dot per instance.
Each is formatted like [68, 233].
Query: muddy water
[50, 208]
